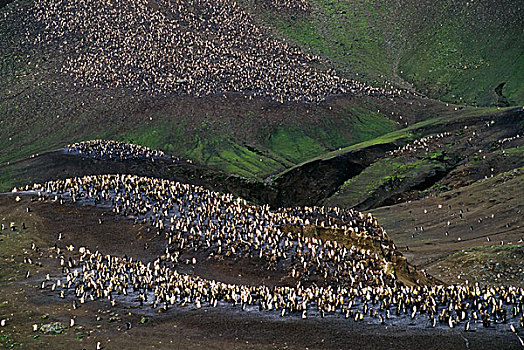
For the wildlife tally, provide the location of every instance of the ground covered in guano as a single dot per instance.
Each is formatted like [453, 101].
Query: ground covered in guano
[25, 304]
[65, 230]
[261, 174]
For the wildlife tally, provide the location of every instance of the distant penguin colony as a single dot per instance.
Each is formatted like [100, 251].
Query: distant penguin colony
[324, 277]
[420, 144]
[297, 6]
[194, 47]
[114, 150]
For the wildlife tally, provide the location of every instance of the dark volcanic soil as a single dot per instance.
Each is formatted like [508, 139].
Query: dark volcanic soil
[61, 164]
[23, 303]
[483, 214]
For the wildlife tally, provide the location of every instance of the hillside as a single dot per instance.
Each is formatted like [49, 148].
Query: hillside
[261, 174]
[459, 235]
[455, 51]
[434, 155]
[57, 87]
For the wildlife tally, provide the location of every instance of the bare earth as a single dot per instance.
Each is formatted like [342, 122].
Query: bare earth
[23, 303]
[486, 223]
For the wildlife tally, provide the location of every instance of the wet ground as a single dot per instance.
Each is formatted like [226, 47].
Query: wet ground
[23, 303]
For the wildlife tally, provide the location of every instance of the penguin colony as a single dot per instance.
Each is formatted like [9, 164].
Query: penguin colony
[190, 47]
[422, 144]
[114, 150]
[294, 6]
[324, 277]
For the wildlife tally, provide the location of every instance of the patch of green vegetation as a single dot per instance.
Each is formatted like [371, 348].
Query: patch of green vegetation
[206, 147]
[463, 51]
[282, 146]
[367, 124]
[161, 135]
[399, 135]
[348, 34]
[384, 175]
[8, 342]
[404, 135]
[459, 52]
[225, 154]
[240, 160]
[438, 155]
[294, 144]
[517, 151]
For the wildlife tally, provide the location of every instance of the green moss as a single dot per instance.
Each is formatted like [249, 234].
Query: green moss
[348, 33]
[240, 160]
[282, 146]
[455, 51]
[461, 55]
[294, 144]
[385, 174]
[368, 124]
[514, 151]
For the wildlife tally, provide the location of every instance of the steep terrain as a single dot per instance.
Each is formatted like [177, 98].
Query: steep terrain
[456, 51]
[427, 158]
[56, 87]
[216, 87]
[406, 164]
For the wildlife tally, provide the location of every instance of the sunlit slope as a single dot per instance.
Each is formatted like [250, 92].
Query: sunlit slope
[378, 43]
[52, 91]
[456, 51]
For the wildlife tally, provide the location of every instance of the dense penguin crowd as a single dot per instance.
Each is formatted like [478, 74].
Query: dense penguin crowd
[190, 47]
[327, 277]
[114, 150]
[195, 219]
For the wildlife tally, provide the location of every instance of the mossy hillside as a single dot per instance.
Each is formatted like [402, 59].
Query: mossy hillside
[279, 146]
[410, 133]
[369, 125]
[210, 131]
[349, 34]
[461, 55]
[249, 138]
[360, 124]
[456, 51]
[387, 174]
[225, 154]
[400, 136]
[286, 146]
